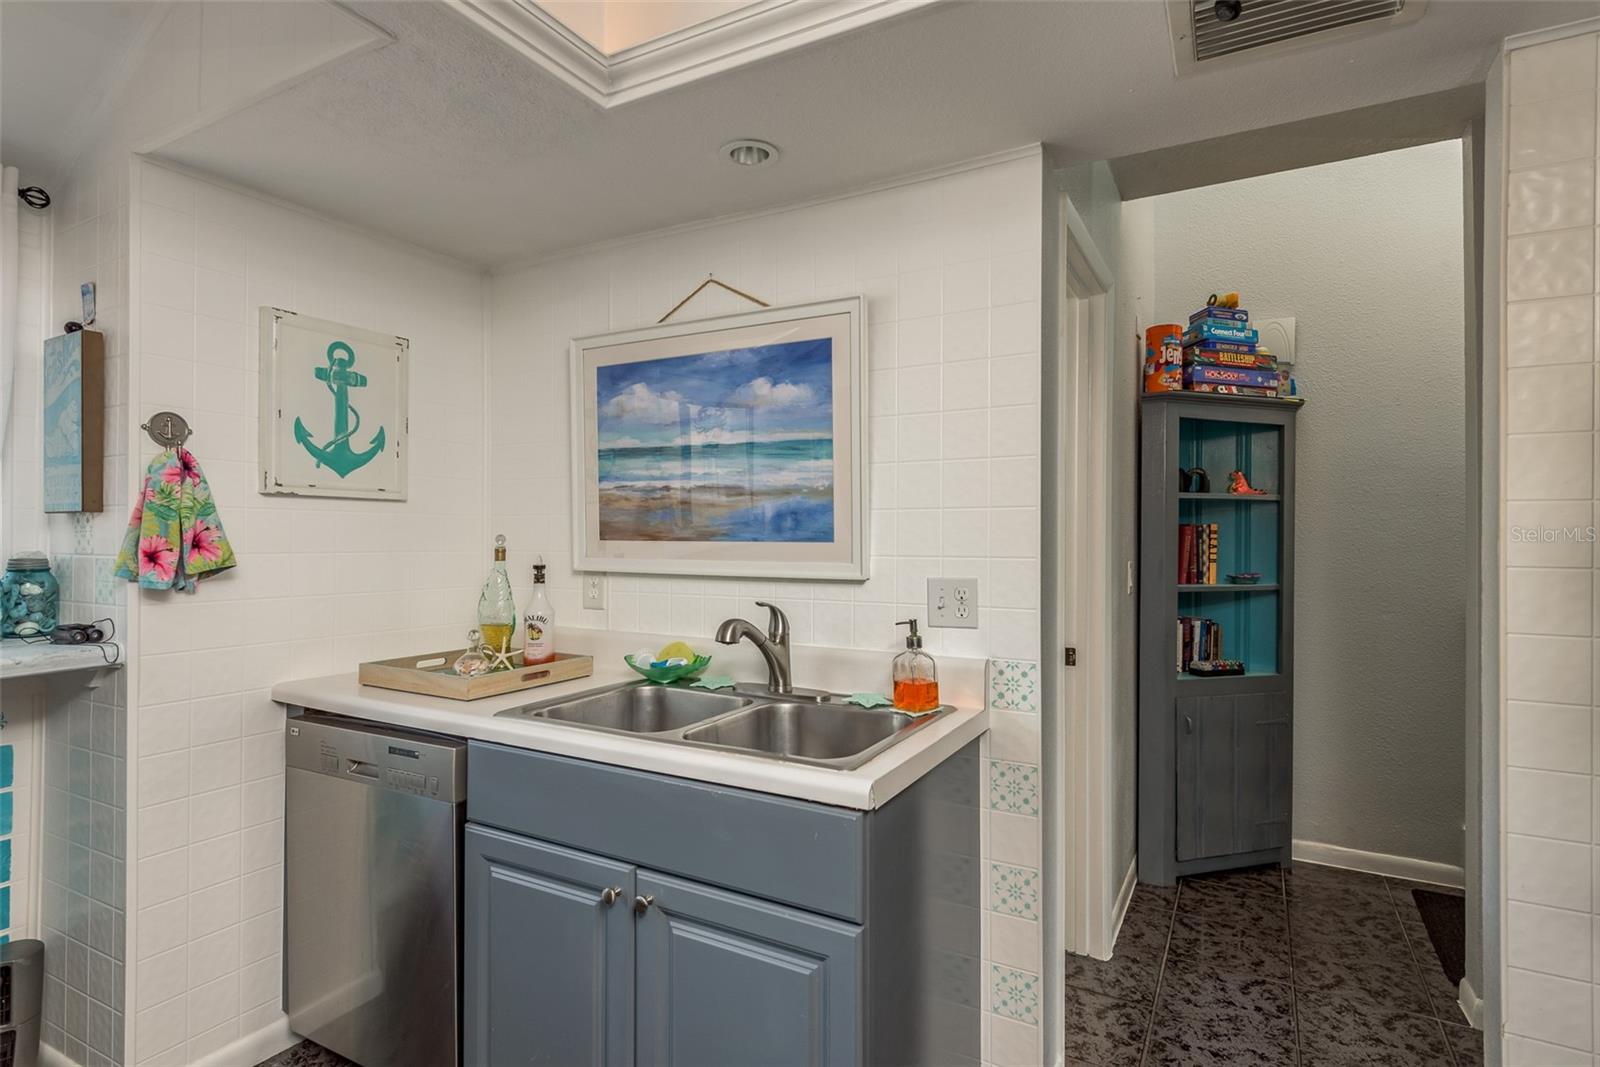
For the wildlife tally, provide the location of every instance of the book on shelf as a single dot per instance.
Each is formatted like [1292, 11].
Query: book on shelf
[1198, 639]
[1198, 545]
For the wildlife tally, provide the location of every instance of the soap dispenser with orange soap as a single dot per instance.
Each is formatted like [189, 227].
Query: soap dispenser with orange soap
[916, 679]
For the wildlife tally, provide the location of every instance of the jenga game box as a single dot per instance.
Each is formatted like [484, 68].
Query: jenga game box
[1163, 358]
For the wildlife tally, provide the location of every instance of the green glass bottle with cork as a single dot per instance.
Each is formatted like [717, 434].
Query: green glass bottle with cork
[497, 610]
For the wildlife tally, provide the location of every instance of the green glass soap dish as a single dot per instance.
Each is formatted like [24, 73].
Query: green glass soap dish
[670, 674]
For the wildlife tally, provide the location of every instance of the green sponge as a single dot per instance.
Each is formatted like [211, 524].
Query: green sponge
[868, 700]
[713, 681]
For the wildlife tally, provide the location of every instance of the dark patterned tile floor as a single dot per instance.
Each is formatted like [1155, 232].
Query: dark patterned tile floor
[306, 1054]
[1310, 966]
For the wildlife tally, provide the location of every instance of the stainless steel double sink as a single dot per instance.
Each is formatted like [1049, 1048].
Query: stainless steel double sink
[817, 729]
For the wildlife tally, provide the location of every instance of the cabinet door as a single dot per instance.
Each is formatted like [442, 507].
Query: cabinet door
[1234, 761]
[548, 955]
[725, 979]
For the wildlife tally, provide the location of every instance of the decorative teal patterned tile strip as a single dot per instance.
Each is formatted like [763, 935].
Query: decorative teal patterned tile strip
[5, 859]
[5, 815]
[5, 907]
[1014, 890]
[1014, 994]
[1014, 685]
[8, 766]
[1014, 787]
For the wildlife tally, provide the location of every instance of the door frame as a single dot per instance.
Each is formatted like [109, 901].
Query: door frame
[1079, 900]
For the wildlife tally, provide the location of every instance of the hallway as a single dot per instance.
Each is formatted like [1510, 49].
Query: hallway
[1315, 965]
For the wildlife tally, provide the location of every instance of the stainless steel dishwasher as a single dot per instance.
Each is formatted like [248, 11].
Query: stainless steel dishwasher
[372, 890]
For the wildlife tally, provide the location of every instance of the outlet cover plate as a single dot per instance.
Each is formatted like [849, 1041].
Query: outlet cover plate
[953, 602]
[594, 591]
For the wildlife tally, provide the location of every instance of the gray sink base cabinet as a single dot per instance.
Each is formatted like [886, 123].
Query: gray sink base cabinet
[615, 917]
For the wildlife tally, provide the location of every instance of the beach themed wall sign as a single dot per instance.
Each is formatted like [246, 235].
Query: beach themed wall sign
[734, 446]
[333, 408]
[74, 422]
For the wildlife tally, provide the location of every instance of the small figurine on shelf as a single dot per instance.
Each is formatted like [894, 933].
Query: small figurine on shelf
[1238, 484]
[1193, 480]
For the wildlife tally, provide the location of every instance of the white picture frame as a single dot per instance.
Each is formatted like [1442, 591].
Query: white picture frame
[733, 446]
[335, 408]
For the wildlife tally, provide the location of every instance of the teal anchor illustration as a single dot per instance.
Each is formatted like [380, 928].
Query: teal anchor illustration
[337, 455]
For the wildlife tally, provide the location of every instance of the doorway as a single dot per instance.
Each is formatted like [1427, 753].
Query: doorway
[1366, 256]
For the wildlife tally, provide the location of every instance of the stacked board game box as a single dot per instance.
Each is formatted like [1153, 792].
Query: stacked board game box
[1221, 354]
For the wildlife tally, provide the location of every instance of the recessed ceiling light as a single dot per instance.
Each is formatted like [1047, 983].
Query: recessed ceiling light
[750, 153]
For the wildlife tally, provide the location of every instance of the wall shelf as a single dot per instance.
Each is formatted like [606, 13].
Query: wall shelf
[1236, 498]
[1230, 587]
[24, 659]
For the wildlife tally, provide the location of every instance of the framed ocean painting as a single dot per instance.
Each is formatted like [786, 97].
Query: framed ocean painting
[733, 447]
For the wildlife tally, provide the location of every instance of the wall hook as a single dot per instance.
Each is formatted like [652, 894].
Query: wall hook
[167, 429]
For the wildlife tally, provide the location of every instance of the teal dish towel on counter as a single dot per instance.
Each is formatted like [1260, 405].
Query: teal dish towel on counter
[174, 536]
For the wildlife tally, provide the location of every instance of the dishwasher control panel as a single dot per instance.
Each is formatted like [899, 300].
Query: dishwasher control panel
[429, 767]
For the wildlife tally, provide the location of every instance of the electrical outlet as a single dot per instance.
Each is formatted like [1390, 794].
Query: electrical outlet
[953, 602]
[594, 591]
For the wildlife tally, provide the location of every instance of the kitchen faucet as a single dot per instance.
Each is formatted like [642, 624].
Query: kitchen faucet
[773, 645]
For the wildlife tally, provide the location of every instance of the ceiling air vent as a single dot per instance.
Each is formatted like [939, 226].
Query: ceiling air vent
[1207, 32]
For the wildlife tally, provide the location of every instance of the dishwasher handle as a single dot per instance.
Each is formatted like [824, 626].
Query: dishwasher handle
[379, 756]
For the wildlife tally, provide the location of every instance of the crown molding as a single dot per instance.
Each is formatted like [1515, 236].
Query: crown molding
[757, 31]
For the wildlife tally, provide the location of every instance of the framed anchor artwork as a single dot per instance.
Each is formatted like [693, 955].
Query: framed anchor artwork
[334, 412]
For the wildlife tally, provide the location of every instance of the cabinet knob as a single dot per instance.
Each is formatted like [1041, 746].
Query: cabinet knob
[642, 904]
[610, 895]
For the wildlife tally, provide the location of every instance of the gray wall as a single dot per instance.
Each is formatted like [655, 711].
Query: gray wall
[1367, 255]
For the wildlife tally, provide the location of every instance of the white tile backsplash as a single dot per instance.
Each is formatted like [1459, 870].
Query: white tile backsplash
[951, 272]
[1552, 131]
[1551, 605]
[321, 585]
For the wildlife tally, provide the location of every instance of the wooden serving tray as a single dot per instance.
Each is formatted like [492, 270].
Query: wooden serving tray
[433, 675]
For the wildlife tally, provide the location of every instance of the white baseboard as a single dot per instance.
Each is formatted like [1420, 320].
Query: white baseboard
[1471, 1004]
[1355, 859]
[1119, 910]
[50, 1056]
[262, 1044]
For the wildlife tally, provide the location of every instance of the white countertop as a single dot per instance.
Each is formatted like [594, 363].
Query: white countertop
[865, 788]
[28, 659]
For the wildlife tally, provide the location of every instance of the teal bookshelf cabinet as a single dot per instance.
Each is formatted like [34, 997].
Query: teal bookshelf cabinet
[1216, 752]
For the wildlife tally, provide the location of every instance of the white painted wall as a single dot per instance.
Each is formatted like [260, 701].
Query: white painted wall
[197, 61]
[322, 584]
[1551, 792]
[1366, 255]
[951, 274]
[84, 868]
[951, 271]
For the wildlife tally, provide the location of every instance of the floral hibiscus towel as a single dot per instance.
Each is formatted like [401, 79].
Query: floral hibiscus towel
[174, 537]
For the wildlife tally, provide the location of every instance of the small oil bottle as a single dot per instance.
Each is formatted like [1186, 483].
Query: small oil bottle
[497, 613]
[916, 679]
